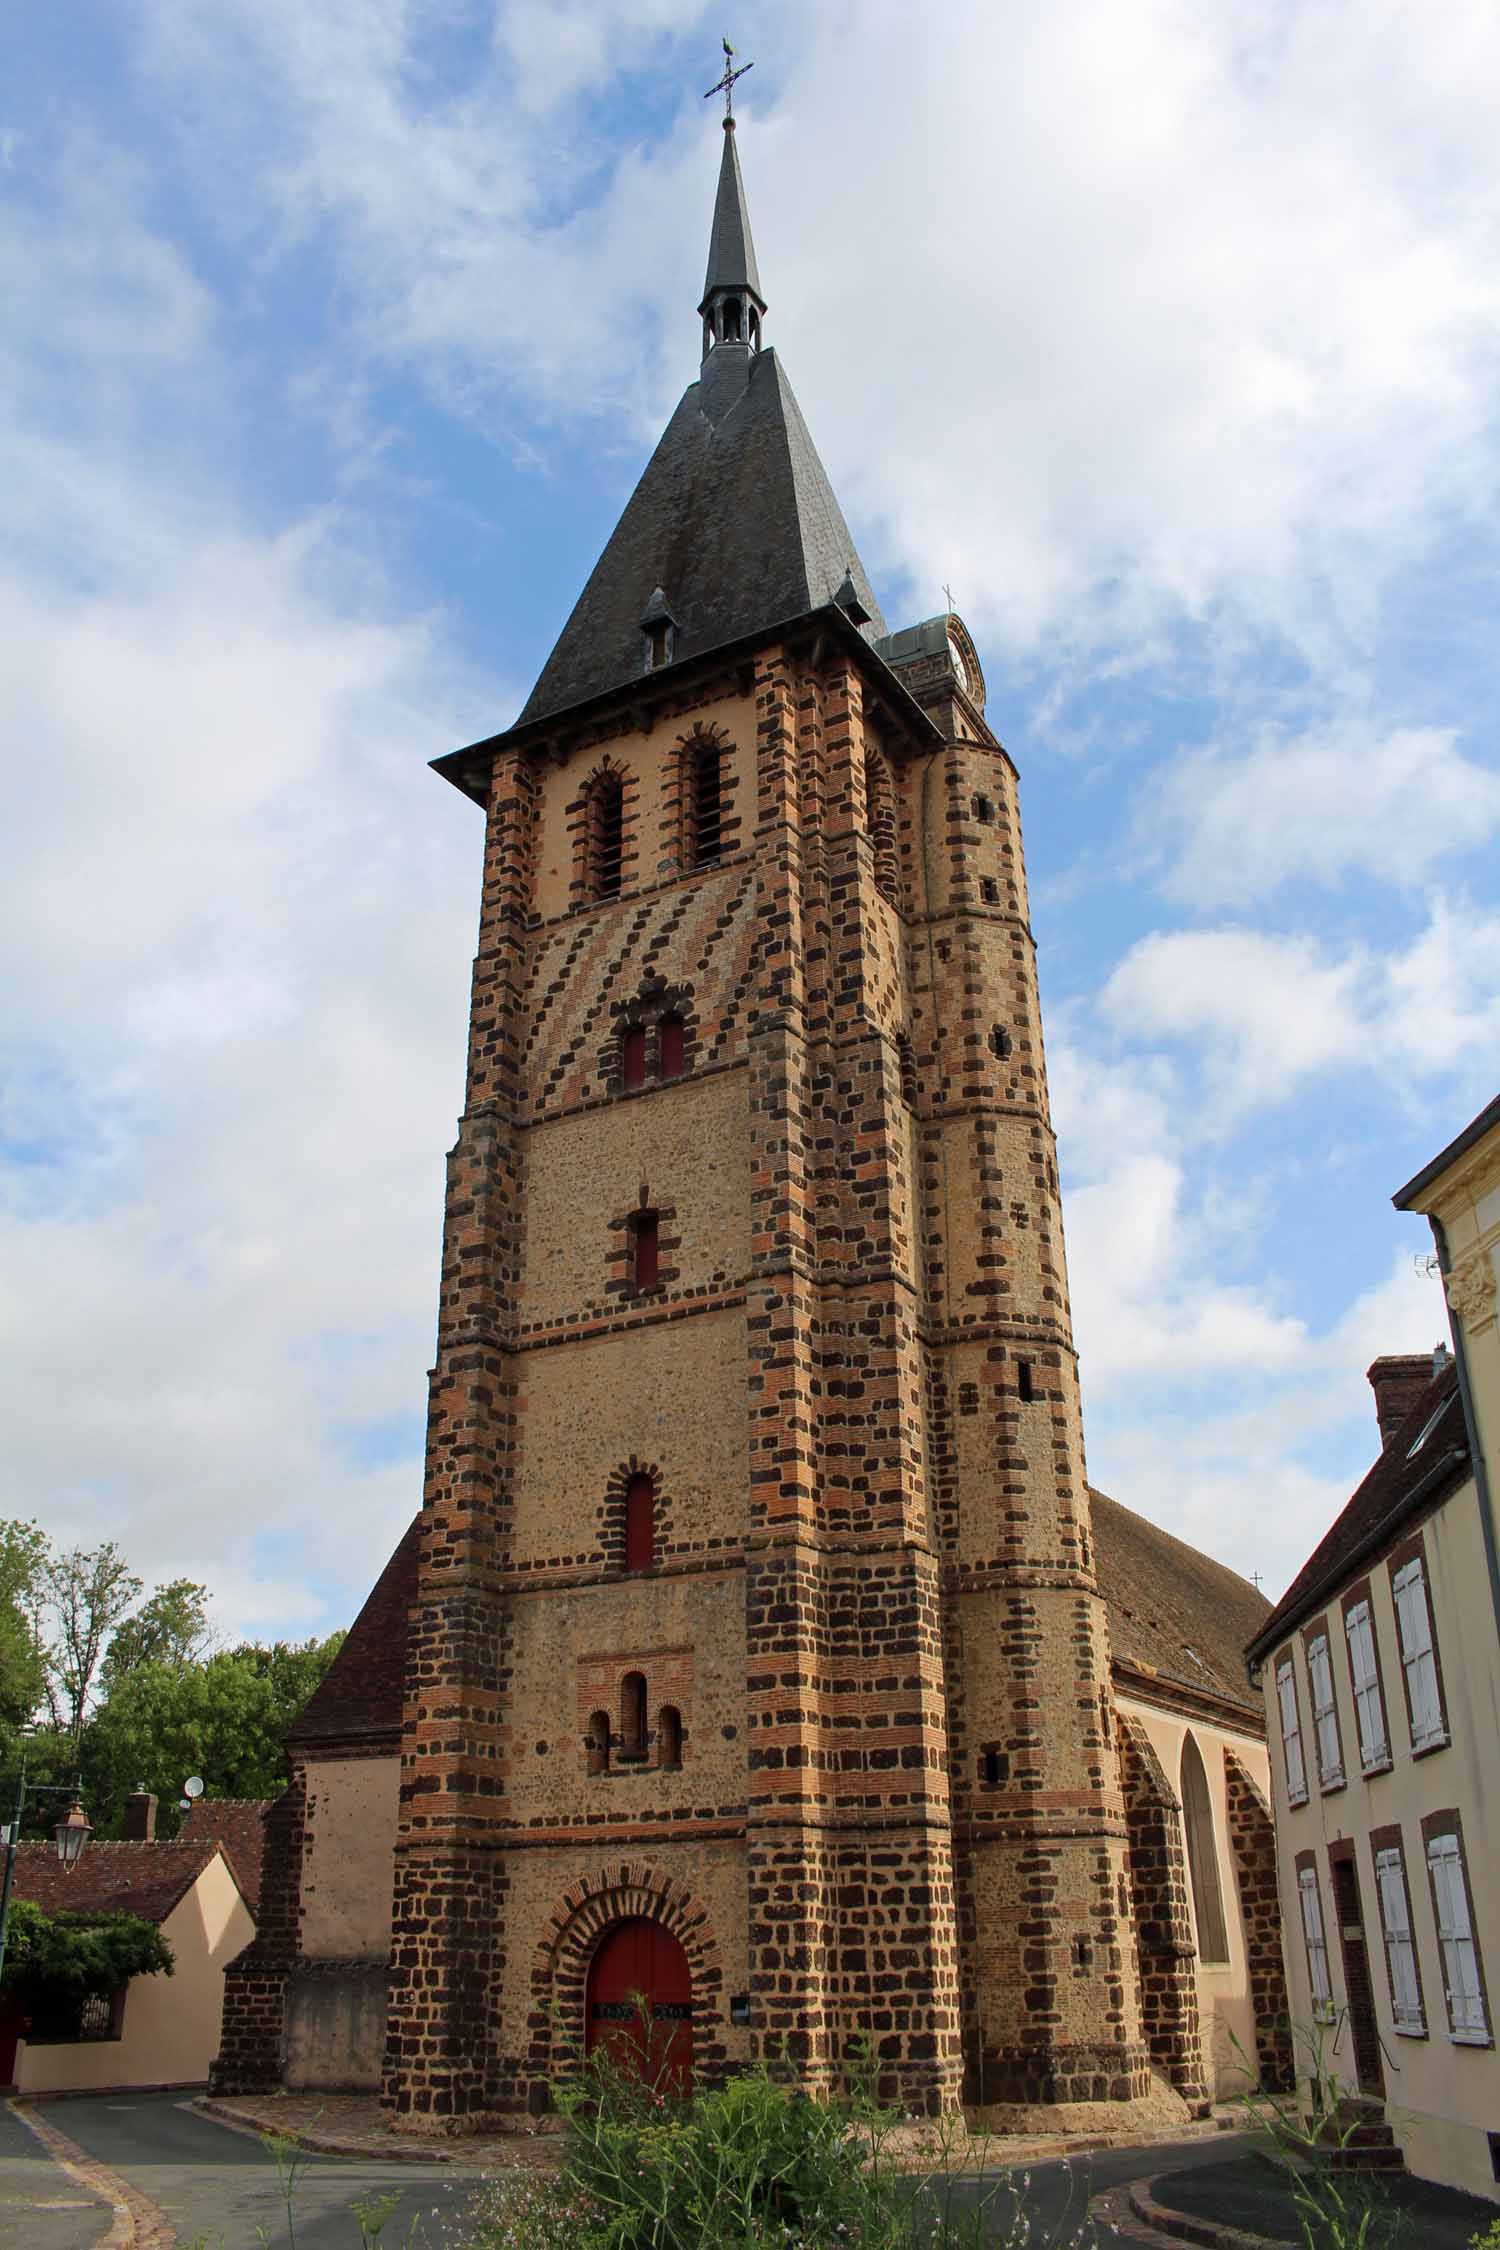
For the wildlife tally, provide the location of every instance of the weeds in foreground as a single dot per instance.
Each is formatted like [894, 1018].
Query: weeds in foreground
[1336, 2210]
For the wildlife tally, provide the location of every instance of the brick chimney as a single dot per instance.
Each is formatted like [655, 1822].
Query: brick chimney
[1398, 1383]
[140, 1816]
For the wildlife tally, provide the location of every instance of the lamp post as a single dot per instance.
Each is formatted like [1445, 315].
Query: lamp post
[72, 1833]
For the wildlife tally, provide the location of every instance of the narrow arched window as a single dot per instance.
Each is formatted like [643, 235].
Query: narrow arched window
[598, 1743]
[706, 782]
[1203, 1855]
[633, 1715]
[633, 1057]
[880, 820]
[731, 320]
[640, 1524]
[669, 1738]
[607, 837]
[671, 1047]
[645, 1247]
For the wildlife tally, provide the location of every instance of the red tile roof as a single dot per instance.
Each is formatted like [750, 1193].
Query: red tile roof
[1425, 1458]
[361, 1694]
[239, 1824]
[144, 1879]
[1174, 1612]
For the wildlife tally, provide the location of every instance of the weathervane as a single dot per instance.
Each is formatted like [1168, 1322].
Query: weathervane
[725, 85]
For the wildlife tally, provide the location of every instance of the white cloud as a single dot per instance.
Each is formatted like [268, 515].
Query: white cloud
[1317, 808]
[1265, 1013]
[1229, 277]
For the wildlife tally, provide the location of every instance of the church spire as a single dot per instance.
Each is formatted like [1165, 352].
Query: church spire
[732, 303]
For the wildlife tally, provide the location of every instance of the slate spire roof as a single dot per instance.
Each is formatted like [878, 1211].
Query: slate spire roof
[734, 519]
[731, 246]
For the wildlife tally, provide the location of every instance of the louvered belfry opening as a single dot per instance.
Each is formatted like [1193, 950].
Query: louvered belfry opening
[608, 826]
[708, 803]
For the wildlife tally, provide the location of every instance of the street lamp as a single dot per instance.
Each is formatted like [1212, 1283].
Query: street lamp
[72, 1833]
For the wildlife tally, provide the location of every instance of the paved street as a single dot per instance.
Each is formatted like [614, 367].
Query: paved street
[217, 2189]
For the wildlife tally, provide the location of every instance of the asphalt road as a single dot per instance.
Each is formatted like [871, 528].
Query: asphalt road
[218, 2189]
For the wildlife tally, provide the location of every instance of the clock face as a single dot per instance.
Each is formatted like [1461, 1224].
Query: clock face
[958, 664]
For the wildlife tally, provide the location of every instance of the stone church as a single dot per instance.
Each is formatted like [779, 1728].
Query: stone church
[751, 1648]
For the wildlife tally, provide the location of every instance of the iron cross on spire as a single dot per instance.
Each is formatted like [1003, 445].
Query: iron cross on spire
[725, 85]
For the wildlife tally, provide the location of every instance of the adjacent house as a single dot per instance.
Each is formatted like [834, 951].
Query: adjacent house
[1381, 1674]
[161, 2031]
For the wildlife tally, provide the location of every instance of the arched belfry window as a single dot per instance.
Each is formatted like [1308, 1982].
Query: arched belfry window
[606, 835]
[880, 821]
[1203, 1855]
[705, 777]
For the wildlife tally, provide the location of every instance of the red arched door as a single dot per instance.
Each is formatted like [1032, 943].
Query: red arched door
[640, 1957]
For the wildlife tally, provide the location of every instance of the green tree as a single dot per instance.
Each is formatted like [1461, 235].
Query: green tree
[224, 1718]
[170, 1627]
[23, 1553]
[55, 1963]
[88, 1591]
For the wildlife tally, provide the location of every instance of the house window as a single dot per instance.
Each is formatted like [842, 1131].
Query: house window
[598, 1743]
[1468, 2017]
[1291, 1732]
[670, 1047]
[1314, 1940]
[645, 1249]
[706, 778]
[669, 1738]
[1203, 1856]
[1400, 1953]
[607, 835]
[640, 1523]
[633, 1715]
[1325, 1712]
[633, 1057]
[1424, 1699]
[1364, 1678]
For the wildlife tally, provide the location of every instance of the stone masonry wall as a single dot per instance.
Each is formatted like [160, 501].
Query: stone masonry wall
[1253, 1838]
[1163, 1916]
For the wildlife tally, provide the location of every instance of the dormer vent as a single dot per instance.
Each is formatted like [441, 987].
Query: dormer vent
[847, 599]
[659, 629]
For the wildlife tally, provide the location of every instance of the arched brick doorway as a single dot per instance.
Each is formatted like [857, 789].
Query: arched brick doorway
[640, 2002]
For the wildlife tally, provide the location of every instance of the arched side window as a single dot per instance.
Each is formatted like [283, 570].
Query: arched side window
[1203, 1855]
[606, 836]
[669, 1738]
[671, 1047]
[598, 1743]
[705, 777]
[640, 1523]
[880, 820]
[633, 1057]
[633, 1715]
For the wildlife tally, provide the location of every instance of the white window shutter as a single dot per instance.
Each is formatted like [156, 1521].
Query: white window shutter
[1466, 2011]
[1325, 1716]
[1406, 1997]
[1373, 1748]
[1312, 1932]
[1417, 1657]
[1291, 1735]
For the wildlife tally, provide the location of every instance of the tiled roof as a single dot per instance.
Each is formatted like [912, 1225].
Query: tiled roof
[360, 1696]
[1173, 1611]
[239, 1824]
[144, 1879]
[1426, 1455]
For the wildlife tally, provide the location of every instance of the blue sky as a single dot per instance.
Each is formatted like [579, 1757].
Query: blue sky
[335, 340]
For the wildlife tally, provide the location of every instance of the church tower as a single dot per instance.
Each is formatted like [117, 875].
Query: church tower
[756, 1657]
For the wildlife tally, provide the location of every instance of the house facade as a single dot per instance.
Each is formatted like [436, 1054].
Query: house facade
[1380, 1669]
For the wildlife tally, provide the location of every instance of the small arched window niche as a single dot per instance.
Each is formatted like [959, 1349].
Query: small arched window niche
[669, 1738]
[645, 1250]
[596, 1743]
[1203, 1856]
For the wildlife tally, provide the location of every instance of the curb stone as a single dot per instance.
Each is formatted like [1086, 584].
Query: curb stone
[137, 2224]
[1177, 2226]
